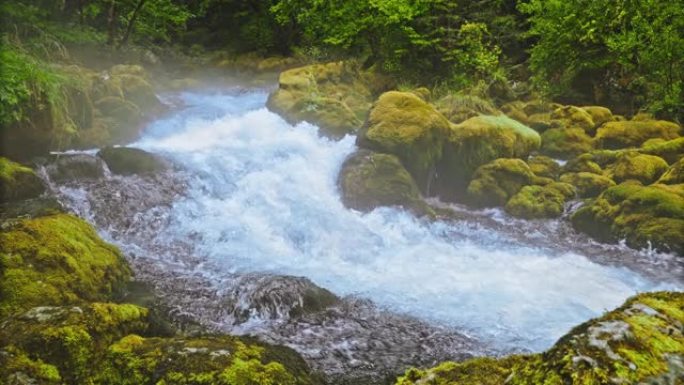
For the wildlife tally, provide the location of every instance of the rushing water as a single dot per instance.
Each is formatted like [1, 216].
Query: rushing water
[262, 198]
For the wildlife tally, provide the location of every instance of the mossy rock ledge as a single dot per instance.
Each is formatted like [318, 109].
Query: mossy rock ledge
[641, 342]
[368, 180]
[644, 216]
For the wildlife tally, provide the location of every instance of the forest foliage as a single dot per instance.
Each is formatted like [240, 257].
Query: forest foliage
[627, 53]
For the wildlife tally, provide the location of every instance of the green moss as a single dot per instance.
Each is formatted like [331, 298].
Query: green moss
[632, 165]
[404, 125]
[574, 117]
[642, 215]
[544, 166]
[55, 260]
[18, 182]
[459, 107]
[369, 180]
[565, 143]
[480, 140]
[670, 150]
[533, 202]
[495, 182]
[583, 163]
[629, 345]
[599, 115]
[129, 161]
[673, 175]
[587, 184]
[614, 135]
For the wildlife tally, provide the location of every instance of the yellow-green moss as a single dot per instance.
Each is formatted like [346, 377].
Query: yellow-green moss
[495, 182]
[632, 165]
[544, 166]
[402, 124]
[642, 215]
[613, 135]
[533, 202]
[574, 117]
[587, 184]
[458, 107]
[599, 115]
[369, 180]
[565, 143]
[18, 182]
[670, 150]
[674, 175]
[640, 342]
[56, 260]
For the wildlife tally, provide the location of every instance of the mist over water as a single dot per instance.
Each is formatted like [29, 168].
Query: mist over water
[263, 198]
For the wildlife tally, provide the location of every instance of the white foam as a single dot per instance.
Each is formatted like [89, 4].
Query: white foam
[264, 199]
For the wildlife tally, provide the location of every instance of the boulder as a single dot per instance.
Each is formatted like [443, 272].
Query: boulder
[404, 125]
[599, 115]
[129, 161]
[18, 182]
[368, 180]
[588, 184]
[544, 166]
[535, 202]
[670, 150]
[75, 167]
[633, 165]
[334, 96]
[640, 342]
[476, 142]
[565, 143]
[574, 117]
[674, 174]
[496, 182]
[615, 135]
[56, 260]
[645, 216]
[583, 163]
[458, 108]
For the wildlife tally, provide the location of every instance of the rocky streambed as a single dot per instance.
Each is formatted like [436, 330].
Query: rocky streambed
[239, 226]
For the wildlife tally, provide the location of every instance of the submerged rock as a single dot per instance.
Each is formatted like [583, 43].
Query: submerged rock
[645, 216]
[128, 161]
[640, 342]
[18, 182]
[404, 125]
[614, 135]
[56, 260]
[368, 180]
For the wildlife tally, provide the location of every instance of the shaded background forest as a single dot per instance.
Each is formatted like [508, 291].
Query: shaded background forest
[628, 55]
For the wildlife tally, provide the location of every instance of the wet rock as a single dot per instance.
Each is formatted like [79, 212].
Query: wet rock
[128, 161]
[77, 167]
[30, 208]
[645, 216]
[640, 342]
[18, 182]
[404, 125]
[368, 180]
[614, 135]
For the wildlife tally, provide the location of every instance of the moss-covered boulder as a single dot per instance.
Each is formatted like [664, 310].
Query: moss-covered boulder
[56, 260]
[639, 343]
[18, 182]
[334, 96]
[368, 180]
[599, 115]
[105, 343]
[615, 135]
[404, 125]
[635, 166]
[480, 140]
[565, 143]
[496, 182]
[458, 107]
[674, 174]
[582, 163]
[588, 184]
[533, 202]
[670, 150]
[574, 117]
[645, 216]
[544, 166]
[129, 161]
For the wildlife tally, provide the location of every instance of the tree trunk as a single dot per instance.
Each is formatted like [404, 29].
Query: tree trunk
[131, 22]
[111, 23]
